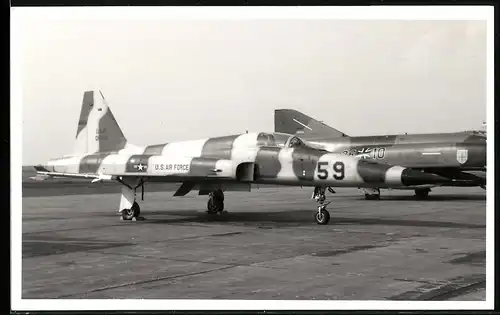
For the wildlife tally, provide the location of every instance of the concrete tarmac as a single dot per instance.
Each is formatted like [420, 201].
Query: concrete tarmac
[267, 247]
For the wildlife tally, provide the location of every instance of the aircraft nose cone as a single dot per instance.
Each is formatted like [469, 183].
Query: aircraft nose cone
[411, 177]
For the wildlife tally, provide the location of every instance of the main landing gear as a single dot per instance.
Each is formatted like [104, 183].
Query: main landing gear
[372, 193]
[133, 212]
[322, 217]
[422, 193]
[129, 208]
[215, 204]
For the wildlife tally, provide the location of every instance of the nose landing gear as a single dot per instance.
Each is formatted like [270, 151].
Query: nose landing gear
[322, 217]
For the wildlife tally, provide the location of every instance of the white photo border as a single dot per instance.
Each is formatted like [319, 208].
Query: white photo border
[20, 14]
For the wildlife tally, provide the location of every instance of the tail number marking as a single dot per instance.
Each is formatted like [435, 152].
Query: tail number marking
[338, 169]
[100, 134]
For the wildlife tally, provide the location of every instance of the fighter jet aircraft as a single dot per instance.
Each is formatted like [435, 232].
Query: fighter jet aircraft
[451, 155]
[214, 165]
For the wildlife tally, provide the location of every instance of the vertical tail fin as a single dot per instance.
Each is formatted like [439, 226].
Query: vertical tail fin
[294, 122]
[97, 129]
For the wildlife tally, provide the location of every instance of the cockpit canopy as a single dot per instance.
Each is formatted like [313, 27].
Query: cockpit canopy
[283, 140]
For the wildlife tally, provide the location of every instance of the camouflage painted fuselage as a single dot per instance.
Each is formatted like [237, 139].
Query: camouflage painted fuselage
[459, 150]
[252, 157]
[453, 150]
[451, 155]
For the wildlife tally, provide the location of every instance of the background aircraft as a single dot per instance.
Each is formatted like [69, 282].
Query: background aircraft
[460, 155]
[214, 165]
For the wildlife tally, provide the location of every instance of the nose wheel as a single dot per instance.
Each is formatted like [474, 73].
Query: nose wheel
[322, 216]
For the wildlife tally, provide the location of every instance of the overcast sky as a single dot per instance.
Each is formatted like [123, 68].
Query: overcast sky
[178, 80]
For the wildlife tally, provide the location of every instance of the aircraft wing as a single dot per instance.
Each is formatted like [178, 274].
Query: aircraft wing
[188, 184]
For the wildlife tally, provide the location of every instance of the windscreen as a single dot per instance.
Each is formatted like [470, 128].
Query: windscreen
[283, 140]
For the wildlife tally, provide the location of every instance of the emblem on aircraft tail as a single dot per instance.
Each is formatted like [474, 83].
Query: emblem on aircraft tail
[462, 155]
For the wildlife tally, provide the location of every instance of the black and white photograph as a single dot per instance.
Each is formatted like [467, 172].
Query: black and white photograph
[252, 158]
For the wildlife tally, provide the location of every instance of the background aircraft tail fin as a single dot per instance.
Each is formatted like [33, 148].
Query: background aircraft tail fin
[97, 130]
[294, 122]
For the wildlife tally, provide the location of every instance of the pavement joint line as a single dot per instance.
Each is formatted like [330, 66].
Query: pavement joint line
[171, 259]
[148, 242]
[420, 213]
[444, 290]
[144, 281]
[253, 264]
[432, 282]
[461, 290]
[73, 229]
[77, 241]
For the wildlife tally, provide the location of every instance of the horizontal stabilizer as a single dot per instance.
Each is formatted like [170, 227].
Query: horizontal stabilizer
[40, 168]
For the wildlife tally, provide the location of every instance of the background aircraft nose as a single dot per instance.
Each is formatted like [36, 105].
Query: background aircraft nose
[42, 168]
[411, 177]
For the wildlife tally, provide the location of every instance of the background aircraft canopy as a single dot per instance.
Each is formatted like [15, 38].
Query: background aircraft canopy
[284, 140]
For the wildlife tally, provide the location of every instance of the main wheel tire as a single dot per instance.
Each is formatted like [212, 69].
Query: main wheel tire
[133, 212]
[218, 194]
[216, 202]
[422, 193]
[322, 217]
[372, 197]
[211, 206]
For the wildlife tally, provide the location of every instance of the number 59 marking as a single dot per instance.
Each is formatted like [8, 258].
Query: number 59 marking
[338, 169]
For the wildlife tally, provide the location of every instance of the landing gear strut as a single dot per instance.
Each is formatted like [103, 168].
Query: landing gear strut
[322, 217]
[215, 202]
[129, 208]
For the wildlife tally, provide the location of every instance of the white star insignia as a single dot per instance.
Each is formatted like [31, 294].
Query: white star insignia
[140, 166]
